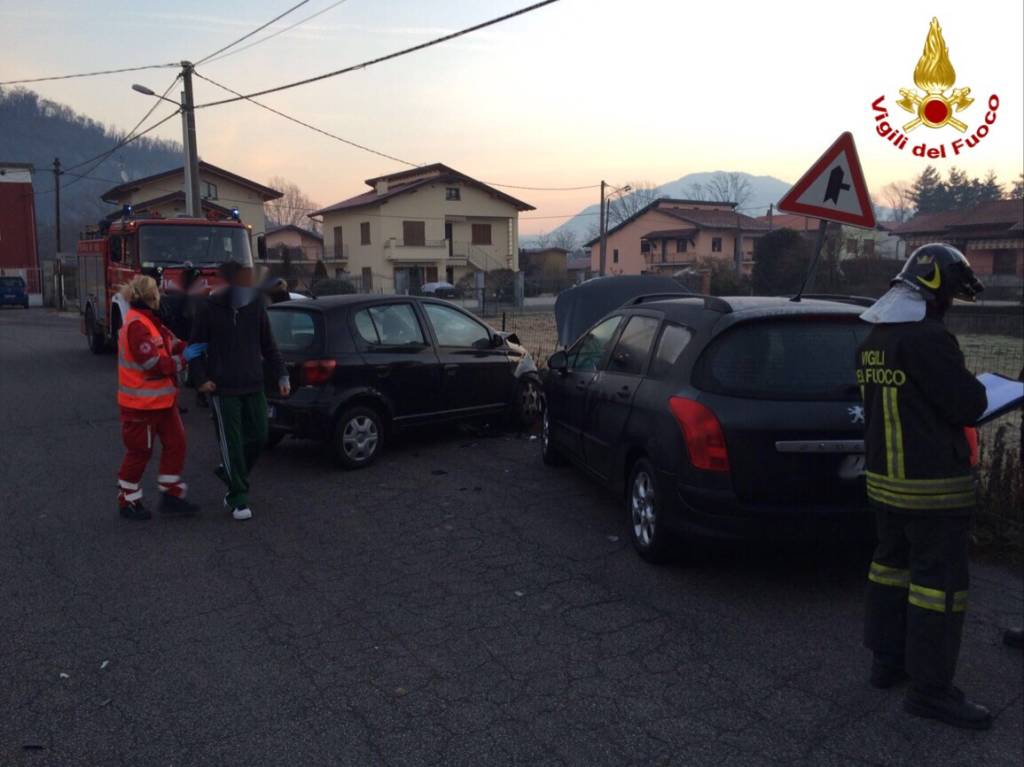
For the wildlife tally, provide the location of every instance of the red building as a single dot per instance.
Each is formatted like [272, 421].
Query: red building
[18, 254]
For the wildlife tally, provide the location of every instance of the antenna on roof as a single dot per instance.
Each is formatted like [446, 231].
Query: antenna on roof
[809, 277]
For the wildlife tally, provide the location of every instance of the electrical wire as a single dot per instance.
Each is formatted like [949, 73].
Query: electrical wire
[387, 57]
[250, 34]
[87, 74]
[210, 60]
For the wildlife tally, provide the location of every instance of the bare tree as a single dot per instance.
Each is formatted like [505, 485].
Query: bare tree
[624, 206]
[899, 197]
[565, 239]
[293, 208]
[723, 187]
[542, 240]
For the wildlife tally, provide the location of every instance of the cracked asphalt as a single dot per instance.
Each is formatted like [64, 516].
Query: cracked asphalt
[458, 603]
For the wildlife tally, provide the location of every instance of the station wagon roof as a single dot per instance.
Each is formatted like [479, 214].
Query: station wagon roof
[757, 306]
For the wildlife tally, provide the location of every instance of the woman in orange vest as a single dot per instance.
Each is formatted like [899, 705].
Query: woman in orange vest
[149, 359]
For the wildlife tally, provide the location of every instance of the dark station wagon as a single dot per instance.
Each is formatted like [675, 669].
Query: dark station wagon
[364, 366]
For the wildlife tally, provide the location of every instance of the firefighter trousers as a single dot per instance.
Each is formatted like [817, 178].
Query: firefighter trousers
[241, 422]
[917, 595]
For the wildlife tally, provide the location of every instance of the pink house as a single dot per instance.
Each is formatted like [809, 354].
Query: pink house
[670, 234]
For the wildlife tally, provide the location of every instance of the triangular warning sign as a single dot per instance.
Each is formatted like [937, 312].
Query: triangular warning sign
[833, 189]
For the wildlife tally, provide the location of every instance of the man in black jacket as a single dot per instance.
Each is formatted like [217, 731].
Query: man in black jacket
[234, 324]
[918, 397]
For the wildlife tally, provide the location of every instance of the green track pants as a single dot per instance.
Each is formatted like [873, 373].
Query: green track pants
[242, 432]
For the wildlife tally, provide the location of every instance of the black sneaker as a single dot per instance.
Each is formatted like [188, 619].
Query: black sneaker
[885, 675]
[172, 504]
[950, 707]
[135, 511]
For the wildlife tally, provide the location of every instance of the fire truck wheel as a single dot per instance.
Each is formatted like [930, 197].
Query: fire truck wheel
[97, 341]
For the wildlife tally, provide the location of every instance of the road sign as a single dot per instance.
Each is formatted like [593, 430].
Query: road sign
[833, 189]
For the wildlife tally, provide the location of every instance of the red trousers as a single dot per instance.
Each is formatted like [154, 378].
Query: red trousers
[140, 430]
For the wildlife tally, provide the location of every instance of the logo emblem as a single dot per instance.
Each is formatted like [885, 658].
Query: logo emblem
[936, 101]
[856, 413]
[934, 281]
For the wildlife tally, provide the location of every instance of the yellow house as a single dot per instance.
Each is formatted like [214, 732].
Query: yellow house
[163, 194]
[422, 225]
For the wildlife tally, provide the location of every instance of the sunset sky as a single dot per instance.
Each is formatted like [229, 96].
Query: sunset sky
[565, 96]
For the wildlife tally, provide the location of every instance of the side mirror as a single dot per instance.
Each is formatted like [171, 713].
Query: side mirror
[261, 247]
[559, 362]
[497, 340]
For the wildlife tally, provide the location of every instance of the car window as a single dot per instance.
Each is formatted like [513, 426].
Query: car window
[803, 359]
[586, 354]
[453, 328]
[634, 345]
[674, 338]
[390, 325]
[295, 331]
[12, 282]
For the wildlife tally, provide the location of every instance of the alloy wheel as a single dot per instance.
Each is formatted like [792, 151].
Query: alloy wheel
[529, 401]
[359, 439]
[643, 509]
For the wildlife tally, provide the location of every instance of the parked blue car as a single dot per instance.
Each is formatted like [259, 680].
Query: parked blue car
[12, 292]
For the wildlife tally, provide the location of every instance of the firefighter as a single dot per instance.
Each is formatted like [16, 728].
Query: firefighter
[149, 359]
[918, 398]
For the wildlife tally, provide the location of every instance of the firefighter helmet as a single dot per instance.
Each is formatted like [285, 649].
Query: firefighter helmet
[939, 272]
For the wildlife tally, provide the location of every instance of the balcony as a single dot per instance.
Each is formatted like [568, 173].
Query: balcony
[336, 254]
[426, 250]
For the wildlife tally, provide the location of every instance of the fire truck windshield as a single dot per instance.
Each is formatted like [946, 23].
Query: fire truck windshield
[162, 244]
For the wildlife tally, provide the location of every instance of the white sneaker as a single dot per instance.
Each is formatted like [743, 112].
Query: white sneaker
[242, 514]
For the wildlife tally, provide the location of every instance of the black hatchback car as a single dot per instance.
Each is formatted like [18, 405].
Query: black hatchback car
[363, 366]
[716, 416]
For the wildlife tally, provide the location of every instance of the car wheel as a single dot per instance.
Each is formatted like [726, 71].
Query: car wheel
[548, 452]
[646, 522]
[358, 437]
[96, 340]
[529, 402]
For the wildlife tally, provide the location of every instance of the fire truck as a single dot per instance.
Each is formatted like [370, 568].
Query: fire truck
[182, 254]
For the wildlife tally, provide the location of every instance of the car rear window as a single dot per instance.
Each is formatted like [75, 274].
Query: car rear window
[12, 282]
[805, 358]
[296, 330]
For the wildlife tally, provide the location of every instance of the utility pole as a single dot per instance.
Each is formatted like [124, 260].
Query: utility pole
[192, 200]
[604, 232]
[56, 199]
[771, 215]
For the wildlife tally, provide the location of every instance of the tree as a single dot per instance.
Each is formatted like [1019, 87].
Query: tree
[990, 189]
[781, 258]
[899, 198]
[929, 193]
[1018, 188]
[624, 206]
[320, 270]
[292, 208]
[565, 239]
[723, 187]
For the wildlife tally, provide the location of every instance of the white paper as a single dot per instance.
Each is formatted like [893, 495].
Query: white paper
[1003, 393]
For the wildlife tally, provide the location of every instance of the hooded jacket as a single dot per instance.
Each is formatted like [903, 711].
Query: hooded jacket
[235, 325]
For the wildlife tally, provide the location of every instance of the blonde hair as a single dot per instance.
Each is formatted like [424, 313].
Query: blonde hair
[141, 289]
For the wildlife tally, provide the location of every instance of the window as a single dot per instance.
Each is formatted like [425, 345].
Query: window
[339, 243]
[453, 328]
[294, 331]
[1004, 263]
[681, 245]
[481, 234]
[364, 233]
[716, 244]
[615, 255]
[12, 283]
[202, 245]
[414, 233]
[452, 193]
[674, 339]
[799, 359]
[209, 191]
[645, 246]
[851, 246]
[115, 249]
[389, 325]
[586, 354]
[630, 353]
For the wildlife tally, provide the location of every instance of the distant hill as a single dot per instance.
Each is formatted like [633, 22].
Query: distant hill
[36, 130]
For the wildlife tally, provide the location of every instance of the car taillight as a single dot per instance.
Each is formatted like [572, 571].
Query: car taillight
[316, 372]
[703, 434]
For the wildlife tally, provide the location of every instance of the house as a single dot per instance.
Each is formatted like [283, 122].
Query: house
[19, 255]
[669, 235]
[163, 194]
[302, 245]
[880, 242]
[423, 225]
[543, 263]
[578, 265]
[991, 235]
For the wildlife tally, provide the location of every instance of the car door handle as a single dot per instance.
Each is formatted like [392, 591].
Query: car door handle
[451, 369]
[581, 385]
[623, 393]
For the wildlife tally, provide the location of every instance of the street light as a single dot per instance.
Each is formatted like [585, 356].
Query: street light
[604, 222]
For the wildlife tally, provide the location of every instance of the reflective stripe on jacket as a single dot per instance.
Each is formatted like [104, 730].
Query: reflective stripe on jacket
[137, 388]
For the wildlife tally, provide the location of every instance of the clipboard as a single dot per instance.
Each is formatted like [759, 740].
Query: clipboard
[1004, 394]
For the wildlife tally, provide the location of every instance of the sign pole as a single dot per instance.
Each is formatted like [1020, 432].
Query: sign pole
[812, 268]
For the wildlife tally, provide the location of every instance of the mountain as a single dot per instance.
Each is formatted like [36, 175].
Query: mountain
[764, 190]
[36, 130]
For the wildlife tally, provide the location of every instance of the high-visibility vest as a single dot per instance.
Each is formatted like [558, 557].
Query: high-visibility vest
[134, 388]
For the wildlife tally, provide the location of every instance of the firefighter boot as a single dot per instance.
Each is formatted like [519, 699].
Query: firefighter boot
[950, 707]
[887, 671]
[134, 510]
[172, 504]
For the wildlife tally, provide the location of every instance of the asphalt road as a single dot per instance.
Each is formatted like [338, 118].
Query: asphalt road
[458, 603]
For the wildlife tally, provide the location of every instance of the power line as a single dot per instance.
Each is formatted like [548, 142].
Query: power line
[545, 188]
[250, 34]
[86, 74]
[387, 57]
[210, 60]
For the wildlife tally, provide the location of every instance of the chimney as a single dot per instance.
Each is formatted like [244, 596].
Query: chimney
[382, 186]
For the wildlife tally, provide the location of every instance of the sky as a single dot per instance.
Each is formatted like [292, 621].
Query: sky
[576, 92]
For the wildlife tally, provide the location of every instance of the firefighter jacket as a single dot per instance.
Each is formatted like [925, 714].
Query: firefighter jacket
[148, 361]
[918, 397]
